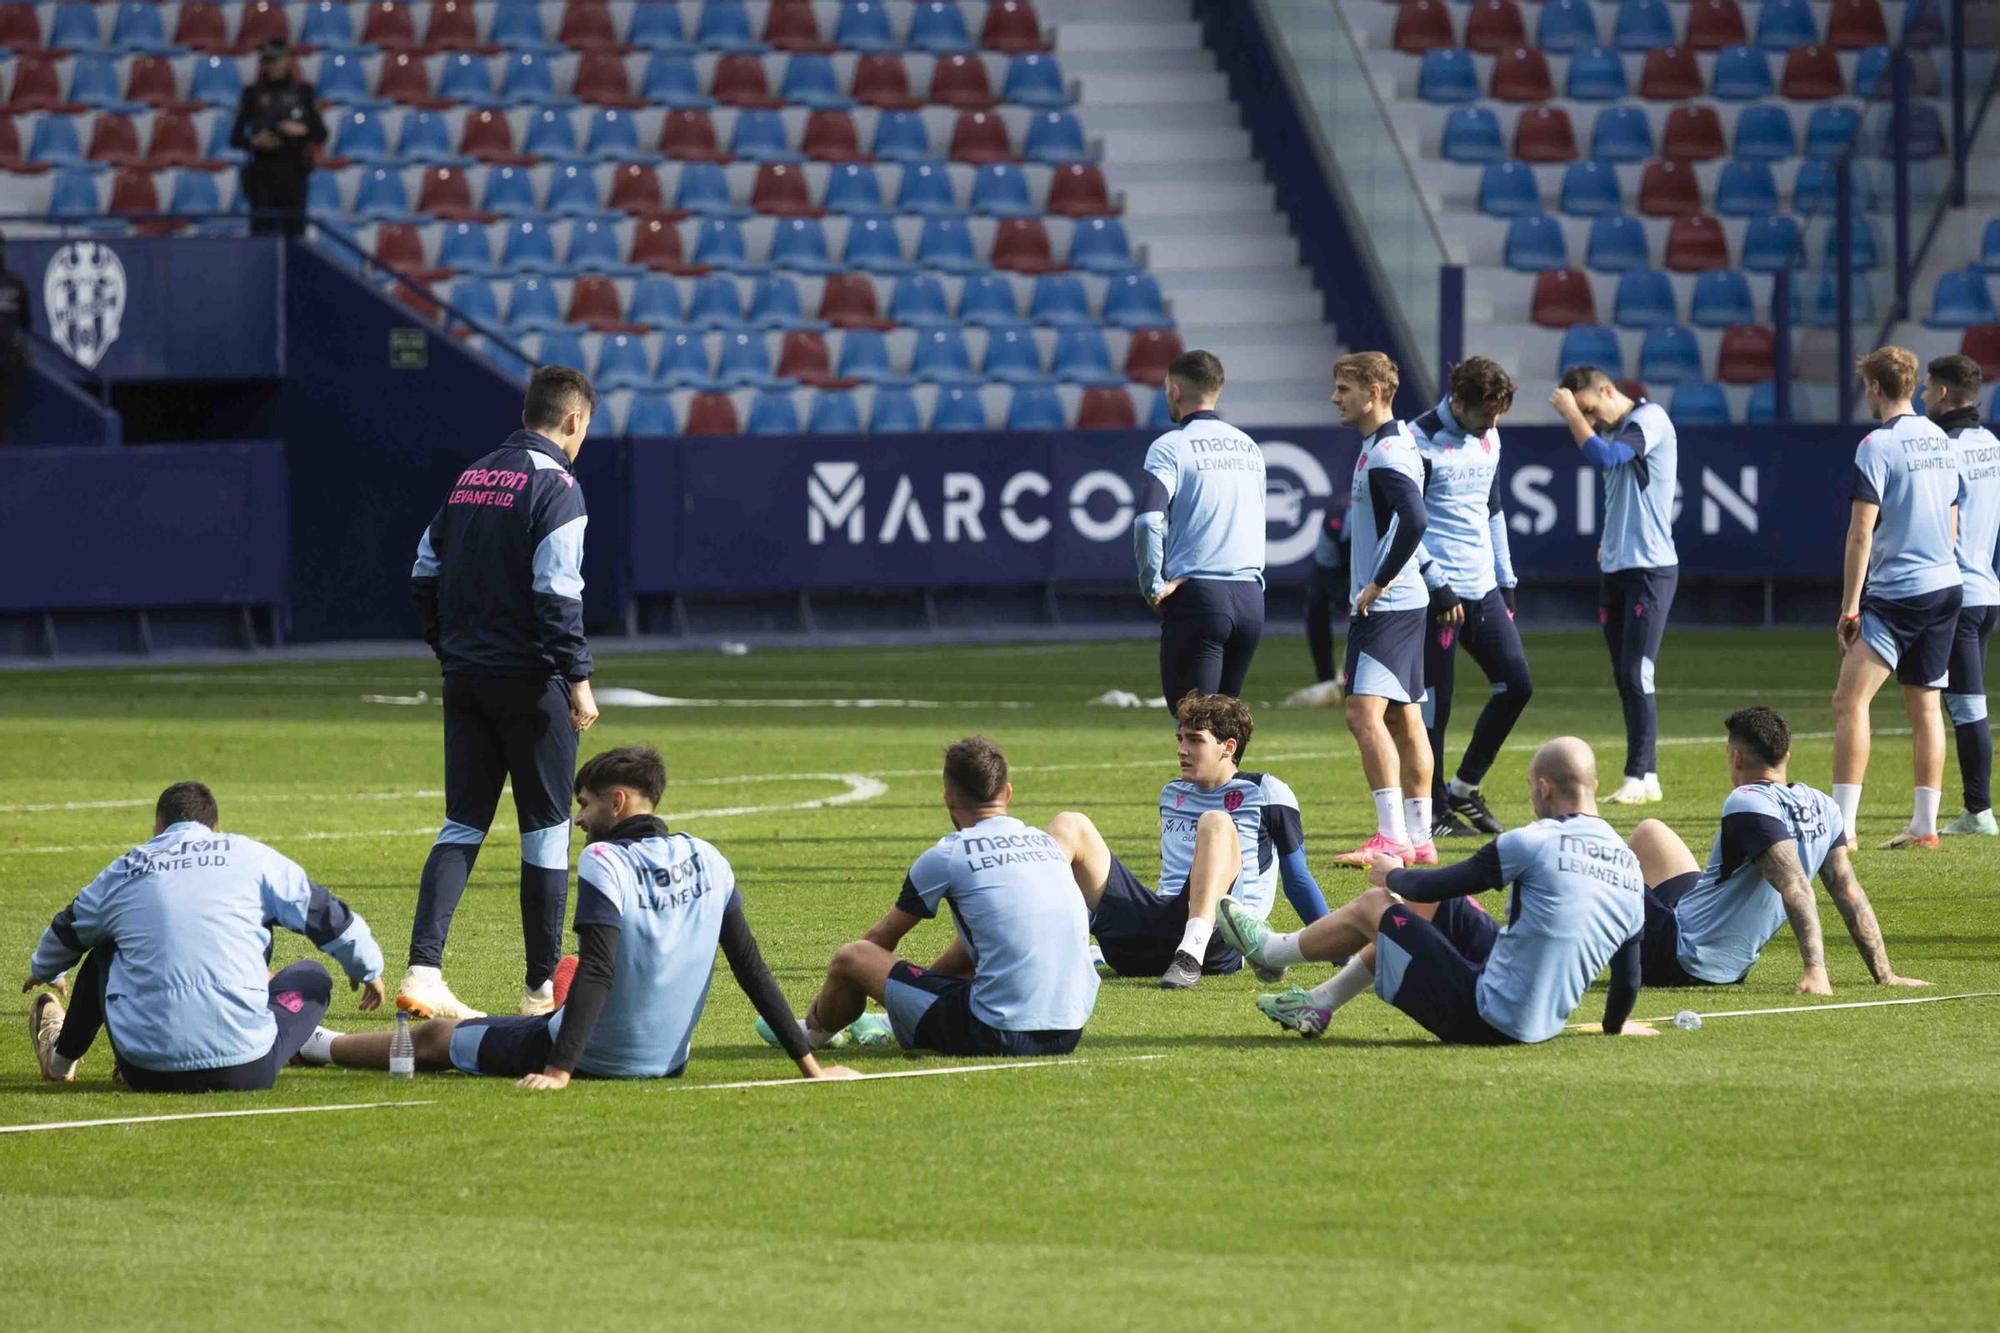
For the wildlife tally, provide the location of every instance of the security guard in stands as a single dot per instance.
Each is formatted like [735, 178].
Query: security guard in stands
[16, 318]
[277, 123]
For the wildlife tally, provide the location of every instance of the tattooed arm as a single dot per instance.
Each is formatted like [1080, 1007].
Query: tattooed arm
[1780, 865]
[1845, 889]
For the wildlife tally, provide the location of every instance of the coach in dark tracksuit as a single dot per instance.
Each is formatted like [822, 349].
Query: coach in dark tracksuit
[499, 577]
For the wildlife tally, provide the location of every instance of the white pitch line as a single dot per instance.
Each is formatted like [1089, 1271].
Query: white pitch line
[918, 1073]
[1812, 1008]
[199, 1115]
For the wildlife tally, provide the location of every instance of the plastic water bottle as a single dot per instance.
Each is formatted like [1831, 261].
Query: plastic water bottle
[1687, 1020]
[402, 1049]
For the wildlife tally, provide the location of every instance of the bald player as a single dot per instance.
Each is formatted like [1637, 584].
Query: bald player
[1418, 938]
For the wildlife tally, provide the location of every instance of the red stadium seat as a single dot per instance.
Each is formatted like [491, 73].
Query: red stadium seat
[740, 81]
[587, 25]
[114, 139]
[175, 142]
[1696, 244]
[1011, 26]
[980, 137]
[452, 27]
[1693, 134]
[489, 138]
[830, 136]
[1544, 134]
[1152, 351]
[1078, 191]
[405, 80]
[1853, 25]
[400, 246]
[1022, 245]
[152, 82]
[803, 357]
[689, 135]
[1812, 73]
[1562, 298]
[388, 26]
[656, 245]
[10, 145]
[1632, 388]
[133, 191]
[1982, 343]
[20, 29]
[446, 194]
[1423, 25]
[37, 87]
[263, 21]
[1106, 407]
[593, 300]
[1748, 356]
[711, 414]
[201, 27]
[849, 303]
[1668, 189]
[880, 79]
[1714, 24]
[792, 27]
[1493, 26]
[417, 300]
[1670, 74]
[960, 80]
[635, 188]
[781, 191]
[1521, 74]
[602, 80]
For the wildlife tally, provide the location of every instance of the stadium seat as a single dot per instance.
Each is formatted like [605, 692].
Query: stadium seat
[1106, 407]
[938, 26]
[1762, 407]
[1158, 415]
[1714, 25]
[1022, 245]
[790, 25]
[1423, 25]
[462, 77]
[262, 22]
[529, 246]
[1078, 190]
[343, 79]
[656, 302]
[688, 135]
[945, 244]
[720, 243]
[10, 146]
[864, 356]
[134, 193]
[36, 87]
[1863, 255]
[1100, 245]
[1670, 74]
[1447, 75]
[1853, 25]
[622, 362]
[1520, 74]
[1923, 132]
[1011, 26]
[745, 359]
[613, 135]
[1982, 343]
[1698, 402]
[1746, 188]
[20, 28]
[1829, 130]
[1012, 355]
[684, 360]
[1696, 244]
[1590, 345]
[979, 137]
[526, 79]
[941, 355]
[1562, 297]
[918, 299]
[760, 137]
[1035, 80]
[151, 82]
[1961, 299]
[473, 298]
[508, 190]
[1508, 189]
[1923, 24]
[1535, 242]
[1812, 73]
[900, 136]
[830, 136]
[1742, 74]
[1645, 300]
[863, 25]
[488, 137]
[1621, 134]
[386, 25]
[1771, 243]
[1870, 70]
[549, 134]
[1059, 299]
[656, 26]
[1472, 133]
[114, 140]
[174, 142]
[834, 413]
[958, 408]
[998, 190]
[454, 27]
[445, 193]
[1668, 189]
[670, 80]
[739, 80]
[601, 80]
[532, 308]
[854, 187]
[1642, 25]
[1693, 134]
[94, 81]
[1148, 356]
[803, 356]
[724, 25]
[213, 81]
[810, 80]
[1493, 26]
[1823, 309]
[74, 26]
[1133, 301]
[1989, 247]
[711, 414]
[894, 410]
[773, 412]
[380, 195]
[1544, 134]
[360, 136]
[652, 413]
[1669, 354]
[404, 79]
[200, 26]
[54, 142]
[1035, 407]
[1589, 189]
[1721, 298]
[1764, 133]
[781, 191]
[1784, 24]
[987, 300]
[573, 192]
[1054, 137]
[873, 246]
[74, 193]
[465, 246]
[1565, 25]
[1747, 356]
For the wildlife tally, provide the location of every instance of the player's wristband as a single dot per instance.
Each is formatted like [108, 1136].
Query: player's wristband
[1443, 599]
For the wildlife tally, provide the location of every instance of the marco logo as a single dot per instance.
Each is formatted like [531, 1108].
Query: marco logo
[833, 499]
[1099, 507]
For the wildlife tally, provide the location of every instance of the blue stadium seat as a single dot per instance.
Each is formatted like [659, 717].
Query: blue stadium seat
[810, 80]
[465, 246]
[925, 187]
[775, 303]
[218, 143]
[800, 243]
[526, 80]
[671, 80]
[946, 244]
[1596, 74]
[1771, 243]
[137, 27]
[651, 414]
[863, 25]
[724, 25]
[717, 302]
[508, 190]
[1590, 345]
[1746, 188]
[852, 187]
[1764, 133]
[1784, 24]
[1034, 79]
[1159, 416]
[1960, 300]
[462, 77]
[834, 412]
[613, 136]
[528, 247]
[55, 142]
[938, 26]
[74, 27]
[593, 245]
[704, 188]
[873, 245]
[900, 136]
[895, 410]
[1100, 245]
[1862, 253]
[656, 302]
[573, 192]
[760, 137]
[918, 299]
[1721, 299]
[1699, 402]
[517, 25]
[622, 363]
[1012, 355]
[425, 137]
[1989, 247]
[1534, 243]
[1645, 300]
[1621, 134]
[471, 296]
[1035, 407]
[684, 359]
[1472, 133]
[326, 24]
[958, 408]
[1642, 25]
[561, 348]
[1447, 75]
[1055, 137]
[1083, 357]
[216, 81]
[1813, 189]
[1822, 310]
[941, 355]
[864, 355]
[1829, 130]
[195, 192]
[1590, 189]
[1566, 25]
[1923, 132]
[1133, 301]
[745, 359]
[94, 81]
[550, 134]
[381, 197]
[1742, 74]
[1669, 354]
[773, 412]
[657, 26]
[1508, 189]
[1059, 299]
[1000, 189]
[322, 195]
[988, 299]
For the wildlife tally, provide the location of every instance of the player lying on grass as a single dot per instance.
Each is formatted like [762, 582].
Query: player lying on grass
[1428, 948]
[1222, 832]
[651, 909]
[1018, 979]
[175, 938]
[1706, 927]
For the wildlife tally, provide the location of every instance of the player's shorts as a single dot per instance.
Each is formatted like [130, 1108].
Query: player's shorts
[502, 1047]
[1968, 649]
[1660, 950]
[1914, 634]
[1139, 931]
[1430, 969]
[1385, 655]
[930, 1012]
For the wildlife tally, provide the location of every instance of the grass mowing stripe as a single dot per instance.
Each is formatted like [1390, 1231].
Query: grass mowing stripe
[919, 1073]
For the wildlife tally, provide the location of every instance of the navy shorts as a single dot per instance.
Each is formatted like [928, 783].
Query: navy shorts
[1385, 655]
[299, 995]
[1968, 649]
[932, 1012]
[503, 1047]
[1209, 631]
[1914, 634]
[1660, 951]
[1139, 931]
[1430, 969]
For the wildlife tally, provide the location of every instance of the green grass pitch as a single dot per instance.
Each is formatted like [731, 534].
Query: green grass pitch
[1839, 1170]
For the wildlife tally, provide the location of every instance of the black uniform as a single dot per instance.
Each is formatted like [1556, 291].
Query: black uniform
[499, 578]
[16, 318]
[276, 177]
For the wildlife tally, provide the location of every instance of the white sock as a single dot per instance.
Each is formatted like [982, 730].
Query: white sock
[60, 1067]
[1194, 940]
[1847, 795]
[318, 1049]
[817, 1039]
[1924, 820]
[1417, 811]
[1389, 815]
[1652, 779]
[545, 991]
[422, 975]
[1460, 789]
[1283, 950]
[1344, 985]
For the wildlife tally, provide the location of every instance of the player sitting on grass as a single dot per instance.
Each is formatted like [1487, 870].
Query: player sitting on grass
[1426, 947]
[1017, 980]
[175, 938]
[1706, 927]
[1222, 832]
[651, 908]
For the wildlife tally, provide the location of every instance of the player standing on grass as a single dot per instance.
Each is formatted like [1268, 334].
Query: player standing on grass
[1385, 635]
[1326, 590]
[1706, 927]
[499, 577]
[1634, 445]
[1199, 537]
[1469, 568]
[1953, 399]
[1900, 590]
